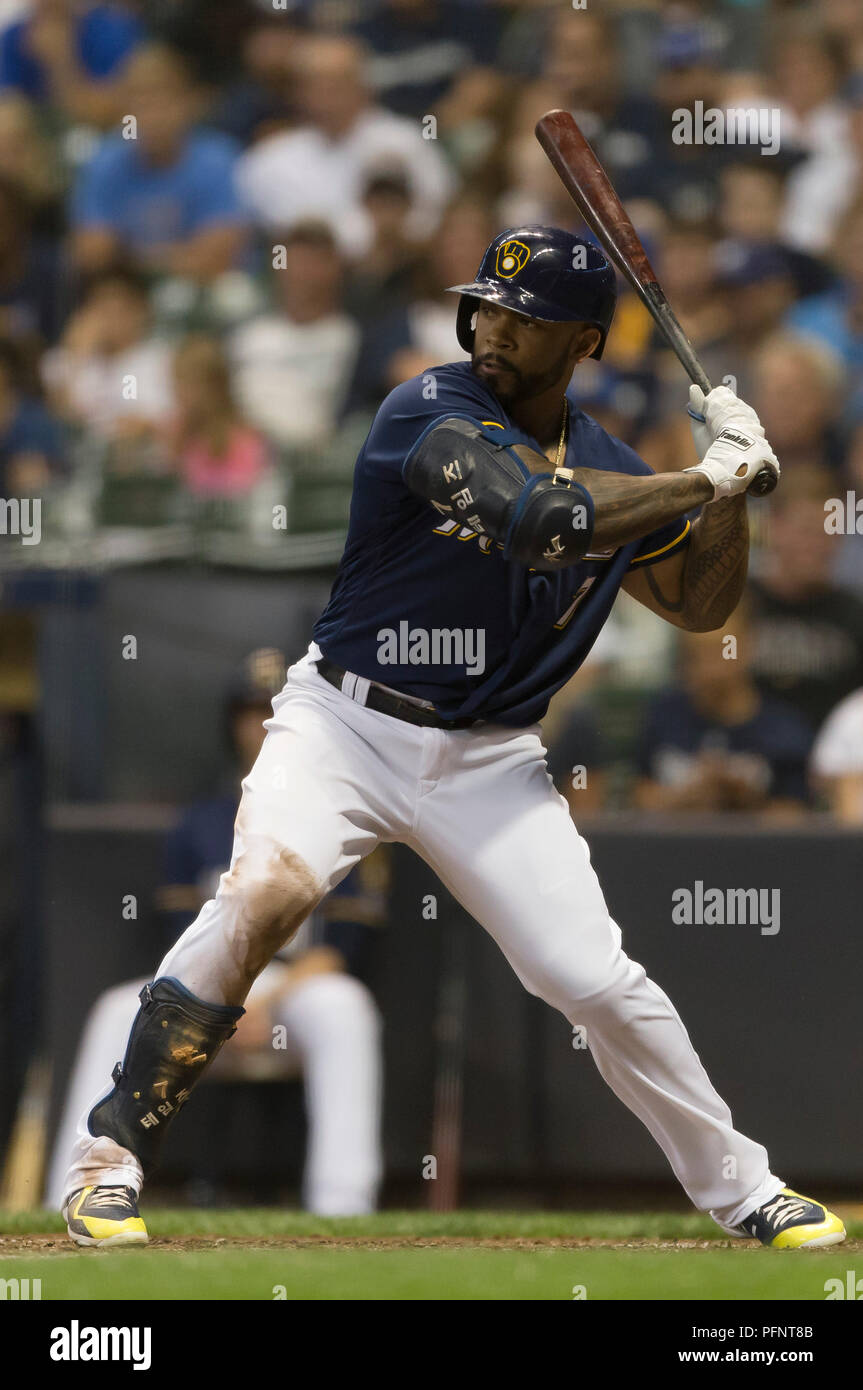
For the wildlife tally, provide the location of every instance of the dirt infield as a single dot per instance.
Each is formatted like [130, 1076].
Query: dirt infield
[47, 1245]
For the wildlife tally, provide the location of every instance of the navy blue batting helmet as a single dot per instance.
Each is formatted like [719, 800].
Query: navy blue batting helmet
[543, 273]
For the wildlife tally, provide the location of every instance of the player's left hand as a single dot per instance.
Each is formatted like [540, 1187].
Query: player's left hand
[709, 414]
[734, 460]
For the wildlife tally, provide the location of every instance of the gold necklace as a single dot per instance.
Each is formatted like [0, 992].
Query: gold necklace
[561, 474]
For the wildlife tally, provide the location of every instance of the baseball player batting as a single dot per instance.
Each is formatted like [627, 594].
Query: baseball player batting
[492, 526]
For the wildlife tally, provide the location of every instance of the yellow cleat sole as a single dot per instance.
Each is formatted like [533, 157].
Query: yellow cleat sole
[135, 1237]
[828, 1232]
[813, 1243]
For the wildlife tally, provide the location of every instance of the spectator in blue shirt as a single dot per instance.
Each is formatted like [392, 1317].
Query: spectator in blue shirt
[836, 317]
[161, 192]
[69, 53]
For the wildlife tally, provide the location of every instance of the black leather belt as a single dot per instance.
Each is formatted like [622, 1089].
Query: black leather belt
[385, 703]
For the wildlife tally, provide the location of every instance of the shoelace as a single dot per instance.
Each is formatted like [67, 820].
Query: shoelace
[109, 1197]
[784, 1209]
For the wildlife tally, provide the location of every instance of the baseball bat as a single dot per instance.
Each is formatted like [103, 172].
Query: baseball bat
[21, 1187]
[591, 190]
[447, 1110]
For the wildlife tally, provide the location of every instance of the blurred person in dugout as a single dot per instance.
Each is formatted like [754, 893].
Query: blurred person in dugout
[713, 742]
[309, 1012]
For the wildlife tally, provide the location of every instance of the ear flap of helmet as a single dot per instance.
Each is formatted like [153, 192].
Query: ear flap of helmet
[467, 307]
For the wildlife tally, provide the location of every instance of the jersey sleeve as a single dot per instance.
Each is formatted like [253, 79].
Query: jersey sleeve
[662, 543]
[665, 540]
[412, 408]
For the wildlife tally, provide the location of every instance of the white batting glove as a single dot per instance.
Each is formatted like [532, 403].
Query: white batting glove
[734, 458]
[709, 414]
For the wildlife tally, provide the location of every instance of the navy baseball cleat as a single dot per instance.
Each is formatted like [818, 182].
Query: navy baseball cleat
[105, 1216]
[792, 1222]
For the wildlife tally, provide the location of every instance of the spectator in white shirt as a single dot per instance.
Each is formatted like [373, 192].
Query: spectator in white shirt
[837, 760]
[110, 375]
[292, 365]
[809, 68]
[321, 168]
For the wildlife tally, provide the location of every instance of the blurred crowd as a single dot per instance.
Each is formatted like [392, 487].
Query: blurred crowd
[226, 232]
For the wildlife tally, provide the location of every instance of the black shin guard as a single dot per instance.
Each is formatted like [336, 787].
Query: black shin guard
[174, 1039]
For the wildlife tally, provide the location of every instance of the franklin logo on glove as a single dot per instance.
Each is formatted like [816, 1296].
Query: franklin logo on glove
[742, 441]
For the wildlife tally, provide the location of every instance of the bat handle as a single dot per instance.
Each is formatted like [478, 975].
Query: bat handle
[763, 483]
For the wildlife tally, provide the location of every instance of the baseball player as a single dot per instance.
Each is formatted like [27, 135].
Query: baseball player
[492, 525]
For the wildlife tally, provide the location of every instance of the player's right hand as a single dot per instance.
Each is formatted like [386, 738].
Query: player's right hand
[709, 414]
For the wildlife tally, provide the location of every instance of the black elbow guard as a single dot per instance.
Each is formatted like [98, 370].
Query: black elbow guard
[472, 473]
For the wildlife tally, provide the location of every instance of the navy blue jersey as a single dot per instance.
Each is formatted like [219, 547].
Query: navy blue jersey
[410, 575]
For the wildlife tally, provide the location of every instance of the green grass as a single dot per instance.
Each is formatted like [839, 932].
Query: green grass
[478, 1224]
[432, 1272]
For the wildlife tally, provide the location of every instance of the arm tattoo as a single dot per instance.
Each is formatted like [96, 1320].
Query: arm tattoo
[629, 507]
[716, 564]
[670, 605]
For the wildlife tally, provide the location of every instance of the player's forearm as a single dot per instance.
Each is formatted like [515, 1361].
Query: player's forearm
[629, 506]
[545, 523]
[626, 508]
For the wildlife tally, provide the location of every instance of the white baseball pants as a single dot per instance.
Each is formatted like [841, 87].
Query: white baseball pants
[334, 777]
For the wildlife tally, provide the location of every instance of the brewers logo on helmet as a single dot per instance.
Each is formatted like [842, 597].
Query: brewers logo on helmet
[510, 258]
[543, 273]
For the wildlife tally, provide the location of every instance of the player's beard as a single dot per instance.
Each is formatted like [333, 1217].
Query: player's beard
[514, 386]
